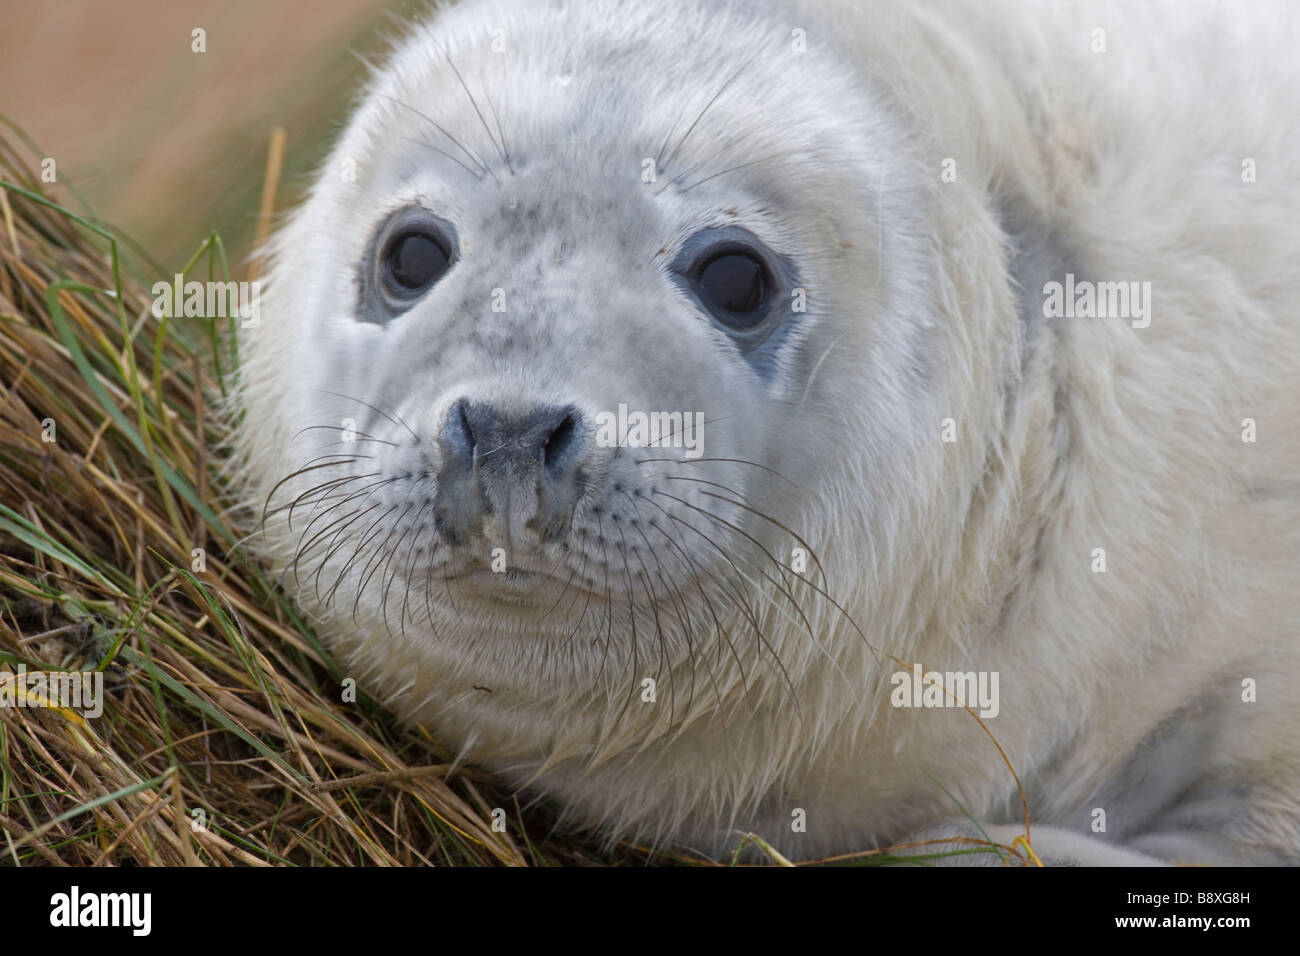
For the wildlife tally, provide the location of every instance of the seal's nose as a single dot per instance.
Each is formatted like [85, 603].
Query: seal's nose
[520, 466]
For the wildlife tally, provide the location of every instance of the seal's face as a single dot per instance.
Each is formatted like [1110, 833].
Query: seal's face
[554, 323]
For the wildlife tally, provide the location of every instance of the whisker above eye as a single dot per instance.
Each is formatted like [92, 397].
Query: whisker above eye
[473, 157]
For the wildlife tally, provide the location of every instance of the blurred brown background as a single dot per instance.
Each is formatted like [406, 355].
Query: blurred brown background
[168, 144]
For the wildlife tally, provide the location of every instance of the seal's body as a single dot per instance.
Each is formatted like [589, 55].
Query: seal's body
[983, 324]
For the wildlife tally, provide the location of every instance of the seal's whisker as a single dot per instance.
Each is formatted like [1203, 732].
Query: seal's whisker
[428, 590]
[728, 145]
[693, 573]
[736, 597]
[782, 588]
[634, 639]
[501, 135]
[653, 601]
[319, 540]
[308, 541]
[659, 153]
[389, 574]
[362, 542]
[336, 544]
[586, 604]
[672, 433]
[734, 461]
[803, 619]
[289, 477]
[674, 596]
[473, 157]
[572, 573]
[758, 631]
[330, 485]
[654, 608]
[358, 436]
[745, 503]
[478, 176]
[709, 105]
[822, 592]
[729, 169]
[341, 492]
[609, 602]
[305, 544]
[477, 112]
[394, 417]
[374, 563]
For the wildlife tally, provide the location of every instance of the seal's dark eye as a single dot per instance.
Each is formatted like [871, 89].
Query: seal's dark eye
[734, 285]
[409, 251]
[739, 285]
[413, 262]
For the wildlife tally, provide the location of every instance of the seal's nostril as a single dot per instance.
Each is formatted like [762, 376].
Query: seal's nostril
[462, 420]
[561, 440]
[457, 438]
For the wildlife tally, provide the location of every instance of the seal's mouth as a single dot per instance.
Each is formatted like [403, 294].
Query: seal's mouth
[544, 574]
[513, 581]
[515, 587]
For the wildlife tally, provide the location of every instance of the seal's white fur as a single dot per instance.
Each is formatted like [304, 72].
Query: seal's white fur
[1120, 690]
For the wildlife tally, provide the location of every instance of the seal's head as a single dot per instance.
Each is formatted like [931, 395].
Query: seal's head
[600, 317]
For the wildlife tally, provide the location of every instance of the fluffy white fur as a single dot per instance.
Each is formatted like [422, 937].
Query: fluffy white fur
[1120, 690]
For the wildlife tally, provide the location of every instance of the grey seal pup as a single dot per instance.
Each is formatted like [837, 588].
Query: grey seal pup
[730, 417]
